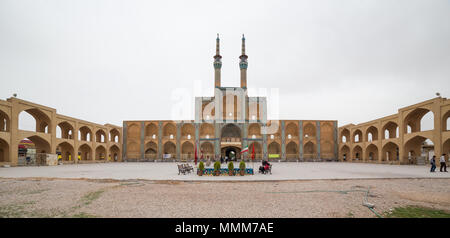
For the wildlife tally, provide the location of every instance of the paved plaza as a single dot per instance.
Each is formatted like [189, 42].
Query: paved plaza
[169, 171]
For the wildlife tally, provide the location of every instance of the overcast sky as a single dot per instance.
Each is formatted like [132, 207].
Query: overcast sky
[109, 61]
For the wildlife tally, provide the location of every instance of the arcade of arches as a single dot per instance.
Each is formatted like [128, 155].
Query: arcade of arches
[227, 123]
[73, 140]
[176, 141]
[411, 136]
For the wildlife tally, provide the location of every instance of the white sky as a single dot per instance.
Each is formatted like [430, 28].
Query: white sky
[109, 61]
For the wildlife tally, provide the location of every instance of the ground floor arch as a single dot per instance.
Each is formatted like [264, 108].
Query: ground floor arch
[292, 150]
[274, 151]
[309, 150]
[344, 153]
[151, 150]
[65, 151]
[371, 153]
[413, 148]
[100, 153]
[187, 150]
[207, 150]
[4, 151]
[258, 150]
[357, 153]
[446, 149]
[390, 152]
[85, 152]
[232, 152]
[169, 150]
[114, 153]
[41, 145]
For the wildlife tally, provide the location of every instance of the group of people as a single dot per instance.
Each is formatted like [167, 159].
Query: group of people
[442, 162]
[265, 166]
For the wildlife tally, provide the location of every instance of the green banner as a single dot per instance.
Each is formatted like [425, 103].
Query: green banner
[274, 155]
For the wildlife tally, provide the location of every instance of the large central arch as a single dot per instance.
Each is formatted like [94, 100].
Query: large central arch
[231, 131]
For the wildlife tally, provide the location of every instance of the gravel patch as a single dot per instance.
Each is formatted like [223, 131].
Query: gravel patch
[142, 198]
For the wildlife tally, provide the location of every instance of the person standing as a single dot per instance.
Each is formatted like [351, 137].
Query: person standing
[443, 165]
[433, 163]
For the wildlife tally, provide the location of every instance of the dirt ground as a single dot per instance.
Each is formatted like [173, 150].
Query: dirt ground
[43, 197]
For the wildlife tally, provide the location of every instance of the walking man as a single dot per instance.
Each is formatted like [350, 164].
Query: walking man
[443, 165]
[433, 163]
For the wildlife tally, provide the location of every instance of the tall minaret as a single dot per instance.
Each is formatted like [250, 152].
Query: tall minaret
[217, 63]
[243, 64]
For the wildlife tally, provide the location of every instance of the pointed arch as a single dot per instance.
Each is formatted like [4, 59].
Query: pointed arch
[41, 144]
[254, 130]
[372, 134]
[345, 135]
[415, 120]
[4, 122]
[151, 150]
[100, 153]
[292, 150]
[169, 131]
[114, 154]
[344, 153]
[42, 122]
[309, 130]
[170, 150]
[206, 130]
[187, 150]
[66, 130]
[371, 153]
[114, 135]
[390, 130]
[413, 148]
[357, 153]
[188, 131]
[151, 129]
[4, 151]
[309, 150]
[85, 152]
[291, 130]
[207, 149]
[258, 150]
[390, 152]
[85, 133]
[66, 151]
[446, 121]
[357, 136]
[100, 136]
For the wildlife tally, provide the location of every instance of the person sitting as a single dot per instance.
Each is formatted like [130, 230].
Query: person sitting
[266, 167]
[261, 168]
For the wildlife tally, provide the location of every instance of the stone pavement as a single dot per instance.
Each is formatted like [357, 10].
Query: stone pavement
[280, 171]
